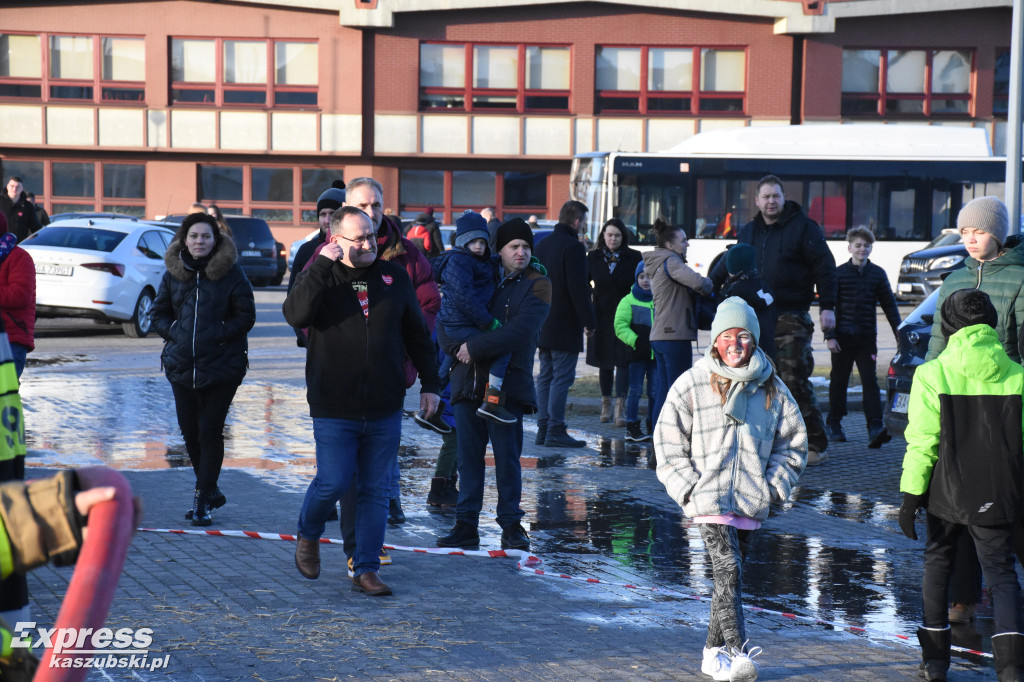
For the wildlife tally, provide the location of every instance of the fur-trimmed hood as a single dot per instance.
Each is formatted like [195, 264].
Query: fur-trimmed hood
[221, 261]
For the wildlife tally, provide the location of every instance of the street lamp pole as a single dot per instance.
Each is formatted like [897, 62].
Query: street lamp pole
[1013, 120]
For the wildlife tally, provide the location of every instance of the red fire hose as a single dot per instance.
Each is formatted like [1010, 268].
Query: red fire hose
[96, 573]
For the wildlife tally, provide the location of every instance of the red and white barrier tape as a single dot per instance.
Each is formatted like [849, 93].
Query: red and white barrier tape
[527, 563]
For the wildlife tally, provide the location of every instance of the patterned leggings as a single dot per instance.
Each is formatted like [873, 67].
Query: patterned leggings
[727, 546]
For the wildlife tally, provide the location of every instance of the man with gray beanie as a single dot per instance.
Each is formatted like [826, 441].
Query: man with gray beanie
[995, 264]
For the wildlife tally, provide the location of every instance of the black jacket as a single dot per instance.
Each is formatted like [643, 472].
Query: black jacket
[604, 348]
[792, 257]
[302, 257]
[521, 304]
[204, 316]
[20, 215]
[355, 362]
[858, 290]
[565, 259]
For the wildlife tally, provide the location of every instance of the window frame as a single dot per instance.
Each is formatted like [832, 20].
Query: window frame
[468, 91]
[270, 89]
[448, 210]
[882, 97]
[46, 82]
[1000, 97]
[695, 95]
[303, 212]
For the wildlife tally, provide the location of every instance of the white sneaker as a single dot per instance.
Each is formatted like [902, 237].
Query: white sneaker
[815, 458]
[716, 663]
[742, 668]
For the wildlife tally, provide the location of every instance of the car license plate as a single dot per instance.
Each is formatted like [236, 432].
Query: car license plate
[904, 288]
[54, 269]
[899, 402]
[251, 254]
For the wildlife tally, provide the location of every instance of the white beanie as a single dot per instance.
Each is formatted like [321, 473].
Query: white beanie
[734, 313]
[987, 214]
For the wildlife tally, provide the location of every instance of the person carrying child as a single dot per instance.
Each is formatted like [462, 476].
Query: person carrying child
[744, 281]
[860, 286]
[730, 441]
[633, 319]
[965, 464]
[468, 279]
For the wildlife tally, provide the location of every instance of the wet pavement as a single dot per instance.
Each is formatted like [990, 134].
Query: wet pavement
[232, 608]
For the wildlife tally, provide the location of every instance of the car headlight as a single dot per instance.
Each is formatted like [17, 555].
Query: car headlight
[945, 262]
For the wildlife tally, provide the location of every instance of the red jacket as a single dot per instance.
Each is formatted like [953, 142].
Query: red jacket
[18, 297]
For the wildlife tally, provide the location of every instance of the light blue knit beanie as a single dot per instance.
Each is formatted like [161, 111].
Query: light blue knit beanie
[734, 313]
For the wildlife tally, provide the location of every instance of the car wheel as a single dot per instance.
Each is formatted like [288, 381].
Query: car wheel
[142, 321]
[276, 281]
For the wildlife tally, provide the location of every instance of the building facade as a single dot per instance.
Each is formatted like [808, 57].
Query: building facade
[257, 106]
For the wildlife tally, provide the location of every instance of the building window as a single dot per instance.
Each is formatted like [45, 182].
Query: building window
[906, 82]
[1001, 86]
[224, 72]
[277, 194]
[80, 68]
[76, 186]
[512, 194]
[670, 80]
[505, 78]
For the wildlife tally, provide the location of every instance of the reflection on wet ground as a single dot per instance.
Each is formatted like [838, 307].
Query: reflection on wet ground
[594, 512]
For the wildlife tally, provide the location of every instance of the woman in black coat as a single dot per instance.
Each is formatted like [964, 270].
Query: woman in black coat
[204, 310]
[611, 265]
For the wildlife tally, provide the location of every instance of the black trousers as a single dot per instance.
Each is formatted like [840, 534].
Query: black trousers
[619, 377]
[994, 545]
[201, 416]
[859, 349]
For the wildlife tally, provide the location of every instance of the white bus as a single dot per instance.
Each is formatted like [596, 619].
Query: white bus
[905, 182]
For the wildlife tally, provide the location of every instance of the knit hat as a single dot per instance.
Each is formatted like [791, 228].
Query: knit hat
[987, 214]
[734, 313]
[740, 258]
[639, 269]
[967, 307]
[510, 230]
[332, 198]
[469, 226]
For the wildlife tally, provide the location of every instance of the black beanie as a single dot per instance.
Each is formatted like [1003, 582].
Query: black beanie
[740, 258]
[332, 198]
[510, 230]
[967, 307]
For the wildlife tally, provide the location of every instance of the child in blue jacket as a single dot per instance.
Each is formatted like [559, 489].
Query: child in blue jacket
[468, 278]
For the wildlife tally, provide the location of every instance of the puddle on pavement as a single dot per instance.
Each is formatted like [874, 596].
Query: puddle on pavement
[587, 508]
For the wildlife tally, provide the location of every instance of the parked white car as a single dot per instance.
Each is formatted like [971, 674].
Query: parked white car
[107, 270]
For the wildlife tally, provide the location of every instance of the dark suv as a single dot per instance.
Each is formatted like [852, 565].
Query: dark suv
[911, 346]
[257, 250]
[922, 272]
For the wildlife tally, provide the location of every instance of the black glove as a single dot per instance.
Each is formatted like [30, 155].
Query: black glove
[908, 512]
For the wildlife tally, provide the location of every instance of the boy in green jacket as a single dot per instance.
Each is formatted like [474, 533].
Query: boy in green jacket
[965, 463]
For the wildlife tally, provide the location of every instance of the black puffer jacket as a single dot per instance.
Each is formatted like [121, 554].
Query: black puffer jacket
[859, 290]
[204, 316]
[793, 259]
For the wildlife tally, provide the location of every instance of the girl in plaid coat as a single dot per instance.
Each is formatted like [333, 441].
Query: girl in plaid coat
[729, 441]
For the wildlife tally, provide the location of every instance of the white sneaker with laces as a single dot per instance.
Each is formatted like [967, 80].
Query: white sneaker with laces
[742, 668]
[716, 663]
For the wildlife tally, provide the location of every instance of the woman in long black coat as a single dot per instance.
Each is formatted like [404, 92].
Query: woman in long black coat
[204, 311]
[611, 265]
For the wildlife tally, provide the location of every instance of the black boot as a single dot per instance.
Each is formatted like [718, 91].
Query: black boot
[1008, 650]
[935, 652]
[201, 509]
[217, 500]
[395, 512]
[464, 534]
[515, 537]
[542, 433]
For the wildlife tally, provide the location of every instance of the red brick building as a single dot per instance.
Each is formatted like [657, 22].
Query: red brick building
[145, 107]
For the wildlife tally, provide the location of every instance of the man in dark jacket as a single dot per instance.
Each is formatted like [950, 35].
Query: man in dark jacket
[363, 317]
[561, 337]
[19, 211]
[794, 260]
[330, 201]
[521, 303]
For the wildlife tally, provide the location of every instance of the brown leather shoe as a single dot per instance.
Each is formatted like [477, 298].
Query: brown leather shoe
[307, 558]
[371, 584]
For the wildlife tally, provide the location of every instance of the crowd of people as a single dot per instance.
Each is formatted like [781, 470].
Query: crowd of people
[377, 308]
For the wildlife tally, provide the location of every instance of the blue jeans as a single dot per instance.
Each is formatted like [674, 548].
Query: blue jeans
[638, 370]
[19, 352]
[672, 358]
[472, 433]
[557, 374]
[343, 447]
